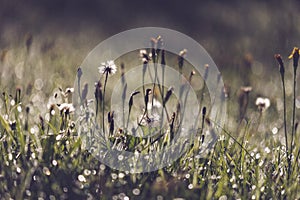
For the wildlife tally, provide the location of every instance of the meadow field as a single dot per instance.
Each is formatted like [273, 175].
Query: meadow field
[45, 151]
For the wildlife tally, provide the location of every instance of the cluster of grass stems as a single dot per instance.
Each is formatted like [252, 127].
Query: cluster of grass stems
[45, 159]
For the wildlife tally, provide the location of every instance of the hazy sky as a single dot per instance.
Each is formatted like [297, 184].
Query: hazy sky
[222, 27]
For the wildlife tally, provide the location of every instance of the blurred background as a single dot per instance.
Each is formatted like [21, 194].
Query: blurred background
[50, 39]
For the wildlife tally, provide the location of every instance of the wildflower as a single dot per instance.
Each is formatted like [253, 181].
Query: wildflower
[295, 56]
[66, 107]
[181, 58]
[144, 56]
[151, 120]
[69, 90]
[262, 103]
[243, 101]
[108, 67]
[156, 104]
[280, 62]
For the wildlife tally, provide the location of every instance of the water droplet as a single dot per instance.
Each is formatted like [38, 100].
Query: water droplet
[121, 175]
[120, 157]
[87, 172]
[38, 84]
[81, 178]
[12, 102]
[136, 191]
[19, 108]
[19, 170]
[54, 162]
[274, 130]
[46, 171]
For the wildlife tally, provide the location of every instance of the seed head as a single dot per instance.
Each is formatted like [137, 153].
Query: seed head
[280, 62]
[108, 67]
[144, 56]
[262, 104]
[181, 58]
[79, 72]
[295, 56]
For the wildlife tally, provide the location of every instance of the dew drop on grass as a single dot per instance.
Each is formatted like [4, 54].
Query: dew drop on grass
[10, 157]
[274, 130]
[298, 102]
[187, 176]
[102, 167]
[46, 171]
[47, 117]
[19, 108]
[28, 193]
[223, 197]
[54, 162]
[136, 191]
[87, 172]
[19, 70]
[120, 157]
[159, 197]
[12, 102]
[114, 176]
[38, 84]
[19, 170]
[267, 150]
[59, 137]
[81, 178]
[65, 189]
[257, 156]
[121, 175]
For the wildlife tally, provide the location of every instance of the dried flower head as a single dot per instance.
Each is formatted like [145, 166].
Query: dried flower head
[66, 107]
[262, 104]
[108, 67]
[280, 62]
[246, 89]
[181, 58]
[295, 56]
[145, 56]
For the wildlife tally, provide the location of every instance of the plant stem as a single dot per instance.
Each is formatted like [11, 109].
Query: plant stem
[103, 126]
[285, 127]
[294, 109]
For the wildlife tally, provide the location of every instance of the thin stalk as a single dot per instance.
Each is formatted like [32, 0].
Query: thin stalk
[103, 126]
[282, 71]
[285, 126]
[294, 109]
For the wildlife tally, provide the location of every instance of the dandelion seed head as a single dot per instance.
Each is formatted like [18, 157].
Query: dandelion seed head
[262, 104]
[108, 67]
[274, 130]
[182, 52]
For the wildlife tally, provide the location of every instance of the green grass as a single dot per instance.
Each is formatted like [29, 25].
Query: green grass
[42, 154]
